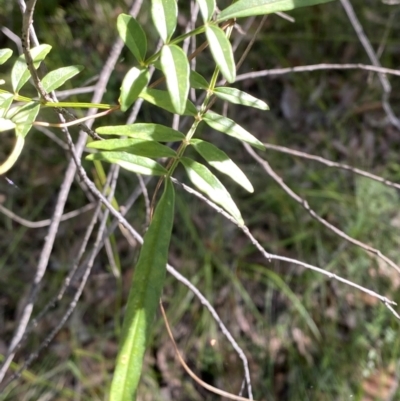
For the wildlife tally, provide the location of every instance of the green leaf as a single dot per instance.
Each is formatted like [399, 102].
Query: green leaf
[162, 99]
[197, 81]
[6, 124]
[133, 36]
[146, 131]
[221, 51]
[20, 73]
[207, 8]
[229, 127]
[144, 296]
[220, 161]
[248, 8]
[175, 66]
[13, 157]
[5, 54]
[138, 147]
[237, 96]
[208, 183]
[23, 117]
[137, 164]
[135, 80]
[165, 15]
[6, 100]
[55, 79]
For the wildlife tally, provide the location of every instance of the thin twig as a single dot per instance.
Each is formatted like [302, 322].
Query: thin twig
[269, 256]
[316, 67]
[47, 222]
[268, 169]
[330, 163]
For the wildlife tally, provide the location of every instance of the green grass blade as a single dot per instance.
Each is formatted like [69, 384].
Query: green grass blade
[55, 79]
[5, 54]
[133, 36]
[221, 51]
[237, 96]
[20, 73]
[138, 147]
[165, 15]
[220, 160]
[149, 131]
[137, 164]
[134, 82]
[162, 99]
[229, 127]
[208, 183]
[175, 66]
[147, 284]
[248, 8]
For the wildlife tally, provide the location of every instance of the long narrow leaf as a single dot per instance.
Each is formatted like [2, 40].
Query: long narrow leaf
[138, 147]
[147, 284]
[221, 51]
[137, 164]
[5, 54]
[149, 131]
[207, 8]
[175, 66]
[208, 183]
[133, 36]
[162, 99]
[55, 79]
[134, 81]
[165, 15]
[248, 8]
[20, 73]
[23, 117]
[13, 156]
[229, 127]
[197, 81]
[237, 96]
[219, 160]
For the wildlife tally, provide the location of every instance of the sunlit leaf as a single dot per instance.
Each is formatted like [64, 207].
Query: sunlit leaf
[146, 131]
[13, 157]
[162, 99]
[164, 14]
[221, 161]
[197, 81]
[221, 51]
[6, 124]
[138, 147]
[133, 36]
[55, 79]
[248, 8]
[207, 8]
[23, 117]
[147, 283]
[5, 54]
[229, 127]
[208, 183]
[137, 164]
[175, 66]
[237, 96]
[134, 81]
[20, 73]
[6, 100]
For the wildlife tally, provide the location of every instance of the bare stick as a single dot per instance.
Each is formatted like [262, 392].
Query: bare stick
[270, 256]
[47, 222]
[316, 67]
[330, 163]
[265, 165]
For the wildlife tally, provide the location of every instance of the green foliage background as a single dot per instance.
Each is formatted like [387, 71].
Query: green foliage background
[336, 115]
